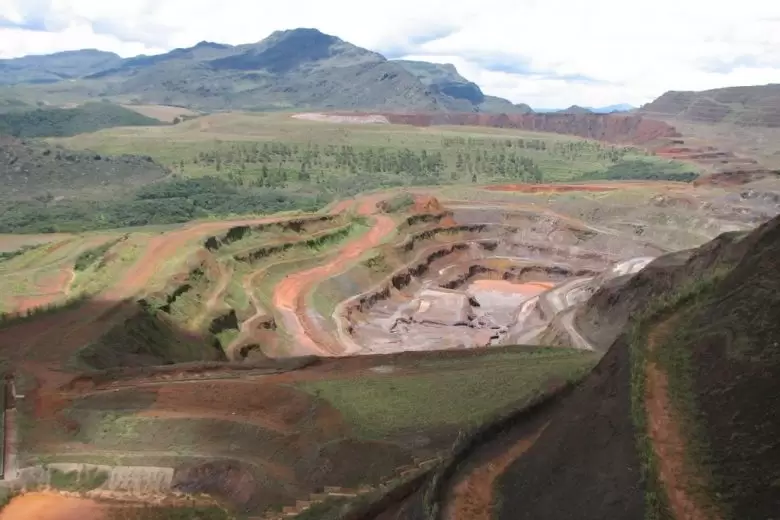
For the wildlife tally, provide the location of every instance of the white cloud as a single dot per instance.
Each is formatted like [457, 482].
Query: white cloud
[631, 51]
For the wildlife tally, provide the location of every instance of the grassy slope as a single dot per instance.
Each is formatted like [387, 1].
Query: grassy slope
[721, 358]
[448, 392]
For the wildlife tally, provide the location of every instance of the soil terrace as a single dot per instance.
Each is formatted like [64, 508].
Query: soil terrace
[513, 266]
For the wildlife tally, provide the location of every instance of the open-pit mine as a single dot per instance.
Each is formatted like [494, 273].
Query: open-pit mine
[411, 353]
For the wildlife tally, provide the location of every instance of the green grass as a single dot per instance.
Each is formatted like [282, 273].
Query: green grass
[85, 480]
[276, 150]
[676, 363]
[92, 255]
[449, 392]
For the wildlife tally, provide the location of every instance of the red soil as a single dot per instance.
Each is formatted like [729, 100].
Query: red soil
[278, 408]
[49, 290]
[427, 204]
[49, 506]
[473, 497]
[289, 294]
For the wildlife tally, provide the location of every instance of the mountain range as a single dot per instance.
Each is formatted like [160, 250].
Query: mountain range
[299, 68]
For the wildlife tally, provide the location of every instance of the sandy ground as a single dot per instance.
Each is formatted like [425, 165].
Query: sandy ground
[49, 506]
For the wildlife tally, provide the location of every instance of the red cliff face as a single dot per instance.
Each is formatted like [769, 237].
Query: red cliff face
[613, 128]
[630, 129]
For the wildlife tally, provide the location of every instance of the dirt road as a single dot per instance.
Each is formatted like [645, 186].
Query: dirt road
[289, 294]
[473, 497]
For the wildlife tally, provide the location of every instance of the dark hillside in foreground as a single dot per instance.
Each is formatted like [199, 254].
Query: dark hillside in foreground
[677, 421]
[715, 335]
[66, 122]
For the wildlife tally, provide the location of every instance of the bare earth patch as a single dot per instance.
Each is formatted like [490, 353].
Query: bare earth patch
[50, 506]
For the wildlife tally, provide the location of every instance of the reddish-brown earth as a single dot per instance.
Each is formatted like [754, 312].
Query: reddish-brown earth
[290, 294]
[474, 496]
[49, 290]
[50, 506]
[270, 406]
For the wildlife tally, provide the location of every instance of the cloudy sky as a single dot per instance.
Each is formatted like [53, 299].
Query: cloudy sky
[548, 53]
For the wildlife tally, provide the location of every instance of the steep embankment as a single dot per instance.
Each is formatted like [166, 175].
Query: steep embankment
[677, 420]
[696, 390]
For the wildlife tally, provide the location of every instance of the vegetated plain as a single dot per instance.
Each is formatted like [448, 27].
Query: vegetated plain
[242, 164]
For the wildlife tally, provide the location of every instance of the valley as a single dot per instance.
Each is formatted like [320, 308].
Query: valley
[429, 309]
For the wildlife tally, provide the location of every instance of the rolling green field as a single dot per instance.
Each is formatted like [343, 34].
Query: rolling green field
[239, 164]
[276, 150]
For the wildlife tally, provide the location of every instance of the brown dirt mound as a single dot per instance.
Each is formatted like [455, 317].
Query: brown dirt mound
[427, 204]
[50, 506]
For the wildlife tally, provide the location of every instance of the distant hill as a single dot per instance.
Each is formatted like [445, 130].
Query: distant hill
[65, 122]
[747, 106]
[444, 79]
[56, 67]
[620, 107]
[576, 109]
[295, 69]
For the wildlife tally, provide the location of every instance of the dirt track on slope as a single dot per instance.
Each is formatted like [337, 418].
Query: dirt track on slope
[290, 294]
[49, 291]
[56, 336]
[473, 497]
[667, 440]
